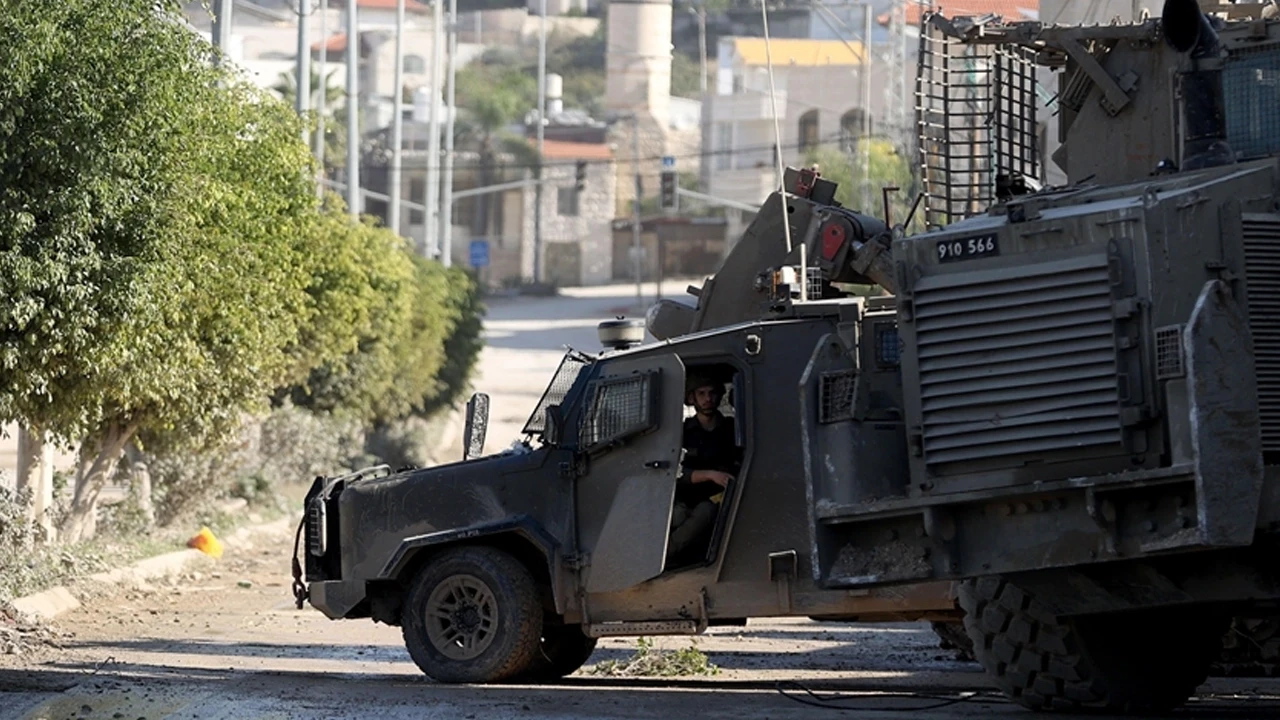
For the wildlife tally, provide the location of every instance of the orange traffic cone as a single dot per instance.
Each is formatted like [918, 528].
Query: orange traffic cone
[207, 543]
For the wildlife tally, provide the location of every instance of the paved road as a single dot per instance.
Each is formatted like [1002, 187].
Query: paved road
[226, 642]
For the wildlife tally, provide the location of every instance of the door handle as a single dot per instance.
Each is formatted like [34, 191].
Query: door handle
[657, 464]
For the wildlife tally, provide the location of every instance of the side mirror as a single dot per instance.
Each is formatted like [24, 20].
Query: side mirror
[477, 424]
[555, 425]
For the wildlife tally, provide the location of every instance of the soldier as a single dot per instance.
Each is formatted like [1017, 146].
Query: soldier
[711, 459]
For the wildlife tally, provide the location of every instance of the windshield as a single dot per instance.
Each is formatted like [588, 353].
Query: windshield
[563, 380]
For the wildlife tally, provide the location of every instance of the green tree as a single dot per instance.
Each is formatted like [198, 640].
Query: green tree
[150, 232]
[493, 99]
[335, 118]
[888, 168]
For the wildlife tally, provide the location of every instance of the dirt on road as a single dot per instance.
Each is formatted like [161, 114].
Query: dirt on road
[225, 640]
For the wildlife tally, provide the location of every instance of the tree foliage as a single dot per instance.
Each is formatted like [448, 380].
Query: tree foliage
[888, 167]
[163, 258]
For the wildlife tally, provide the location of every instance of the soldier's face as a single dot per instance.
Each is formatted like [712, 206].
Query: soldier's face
[706, 399]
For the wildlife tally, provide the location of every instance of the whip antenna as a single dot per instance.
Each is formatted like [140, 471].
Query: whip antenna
[777, 133]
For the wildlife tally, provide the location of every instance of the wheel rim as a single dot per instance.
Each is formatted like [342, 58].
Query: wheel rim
[462, 617]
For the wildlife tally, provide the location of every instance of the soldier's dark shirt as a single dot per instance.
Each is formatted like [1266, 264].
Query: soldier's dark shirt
[707, 450]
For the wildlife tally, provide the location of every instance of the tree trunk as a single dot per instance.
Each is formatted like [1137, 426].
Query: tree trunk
[98, 459]
[35, 473]
[141, 475]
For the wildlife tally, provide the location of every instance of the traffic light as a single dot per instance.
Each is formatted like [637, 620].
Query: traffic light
[580, 178]
[668, 190]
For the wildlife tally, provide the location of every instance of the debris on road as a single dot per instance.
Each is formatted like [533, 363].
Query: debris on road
[650, 661]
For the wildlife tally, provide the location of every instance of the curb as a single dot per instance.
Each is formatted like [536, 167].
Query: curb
[49, 604]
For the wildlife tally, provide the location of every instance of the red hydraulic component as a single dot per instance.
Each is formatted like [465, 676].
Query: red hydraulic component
[834, 236]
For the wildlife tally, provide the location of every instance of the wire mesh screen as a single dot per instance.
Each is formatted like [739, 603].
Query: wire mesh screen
[976, 118]
[836, 395]
[1169, 352]
[888, 345]
[1251, 88]
[617, 408]
[561, 382]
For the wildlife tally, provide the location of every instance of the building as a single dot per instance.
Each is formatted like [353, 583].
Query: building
[817, 93]
[577, 215]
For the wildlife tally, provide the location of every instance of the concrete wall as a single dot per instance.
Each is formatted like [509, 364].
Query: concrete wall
[588, 229]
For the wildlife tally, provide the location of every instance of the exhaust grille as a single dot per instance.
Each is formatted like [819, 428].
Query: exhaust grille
[1262, 270]
[1017, 362]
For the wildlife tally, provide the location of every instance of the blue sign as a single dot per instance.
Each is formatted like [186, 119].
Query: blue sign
[479, 253]
[668, 162]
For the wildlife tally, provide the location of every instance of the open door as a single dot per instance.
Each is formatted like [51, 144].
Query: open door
[631, 424]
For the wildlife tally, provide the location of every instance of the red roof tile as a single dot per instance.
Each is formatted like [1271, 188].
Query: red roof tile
[1010, 10]
[565, 150]
[336, 43]
[409, 5]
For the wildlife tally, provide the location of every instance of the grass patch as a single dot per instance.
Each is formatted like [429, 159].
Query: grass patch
[650, 661]
[122, 539]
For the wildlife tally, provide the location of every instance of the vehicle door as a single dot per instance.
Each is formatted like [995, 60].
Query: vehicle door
[631, 430]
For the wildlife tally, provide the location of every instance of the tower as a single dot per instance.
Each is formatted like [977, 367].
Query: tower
[638, 59]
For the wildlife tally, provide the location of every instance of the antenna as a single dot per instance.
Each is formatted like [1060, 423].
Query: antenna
[777, 133]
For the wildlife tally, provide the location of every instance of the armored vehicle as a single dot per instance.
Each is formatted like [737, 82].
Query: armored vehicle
[1091, 372]
[511, 566]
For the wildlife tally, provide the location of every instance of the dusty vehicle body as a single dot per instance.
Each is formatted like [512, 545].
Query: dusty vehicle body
[580, 513]
[1091, 373]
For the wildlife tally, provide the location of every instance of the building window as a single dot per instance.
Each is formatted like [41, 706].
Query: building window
[724, 146]
[851, 129]
[417, 194]
[809, 131]
[415, 64]
[567, 201]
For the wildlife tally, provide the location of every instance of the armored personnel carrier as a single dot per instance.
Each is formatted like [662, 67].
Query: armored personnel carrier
[1091, 372]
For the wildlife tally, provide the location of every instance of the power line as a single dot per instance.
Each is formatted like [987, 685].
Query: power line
[834, 137]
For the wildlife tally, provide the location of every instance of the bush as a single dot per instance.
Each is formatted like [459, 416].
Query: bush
[289, 446]
[650, 661]
[17, 533]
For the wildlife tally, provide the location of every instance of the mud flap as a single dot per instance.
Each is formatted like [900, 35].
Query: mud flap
[1226, 430]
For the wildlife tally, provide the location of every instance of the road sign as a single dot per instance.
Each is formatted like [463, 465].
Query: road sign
[668, 162]
[479, 250]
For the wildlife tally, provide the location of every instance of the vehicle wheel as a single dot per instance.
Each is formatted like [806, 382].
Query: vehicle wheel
[564, 649]
[952, 636]
[473, 616]
[1251, 648]
[1143, 661]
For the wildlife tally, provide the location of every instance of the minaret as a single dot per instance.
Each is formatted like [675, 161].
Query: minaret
[638, 59]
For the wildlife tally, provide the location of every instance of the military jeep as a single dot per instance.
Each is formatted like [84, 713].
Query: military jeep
[511, 566]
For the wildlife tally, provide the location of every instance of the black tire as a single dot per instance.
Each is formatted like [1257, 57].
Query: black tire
[1144, 661]
[564, 649]
[504, 647]
[952, 636]
[1251, 648]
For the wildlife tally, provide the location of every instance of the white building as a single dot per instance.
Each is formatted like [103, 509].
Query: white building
[817, 92]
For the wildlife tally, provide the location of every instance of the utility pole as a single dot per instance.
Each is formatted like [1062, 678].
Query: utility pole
[865, 144]
[635, 220]
[353, 111]
[322, 103]
[705, 130]
[542, 121]
[397, 123]
[222, 25]
[446, 208]
[303, 99]
[432, 216]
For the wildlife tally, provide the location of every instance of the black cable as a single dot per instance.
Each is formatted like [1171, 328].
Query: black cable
[834, 702]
